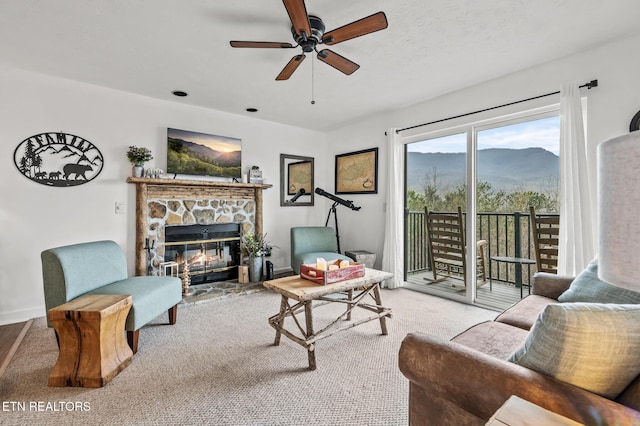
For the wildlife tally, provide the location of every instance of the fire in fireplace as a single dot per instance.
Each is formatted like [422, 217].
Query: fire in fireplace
[212, 252]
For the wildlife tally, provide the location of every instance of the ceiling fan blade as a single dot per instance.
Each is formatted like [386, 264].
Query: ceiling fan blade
[337, 61]
[370, 24]
[290, 67]
[298, 14]
[260, 44]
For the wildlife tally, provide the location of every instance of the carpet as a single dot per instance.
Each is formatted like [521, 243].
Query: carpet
[217, 366]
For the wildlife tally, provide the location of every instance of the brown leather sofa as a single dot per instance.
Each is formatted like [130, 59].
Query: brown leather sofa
[465, 380]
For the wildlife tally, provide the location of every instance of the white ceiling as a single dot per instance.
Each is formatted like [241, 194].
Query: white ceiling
[152, 47]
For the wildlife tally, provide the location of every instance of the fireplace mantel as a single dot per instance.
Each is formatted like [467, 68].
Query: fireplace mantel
[187, 182]
[181, 189]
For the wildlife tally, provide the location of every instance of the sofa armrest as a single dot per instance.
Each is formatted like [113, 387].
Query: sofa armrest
[479, 383]
[550, 285]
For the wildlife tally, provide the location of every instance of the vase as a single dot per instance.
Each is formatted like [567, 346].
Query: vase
[255, 268]
[138, 171]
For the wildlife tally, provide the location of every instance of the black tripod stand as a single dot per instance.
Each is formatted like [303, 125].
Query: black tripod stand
[332, 209]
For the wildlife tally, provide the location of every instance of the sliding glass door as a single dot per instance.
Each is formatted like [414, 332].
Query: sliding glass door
[436, 173]
[492, 172]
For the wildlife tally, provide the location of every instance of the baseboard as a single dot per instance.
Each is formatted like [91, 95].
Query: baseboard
[14, 347]
[20, 315]
[284, 270]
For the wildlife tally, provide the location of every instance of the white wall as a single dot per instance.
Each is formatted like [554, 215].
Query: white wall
[610, 109]
[34, 217]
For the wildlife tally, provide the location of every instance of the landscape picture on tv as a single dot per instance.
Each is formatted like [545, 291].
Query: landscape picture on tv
[193, 153]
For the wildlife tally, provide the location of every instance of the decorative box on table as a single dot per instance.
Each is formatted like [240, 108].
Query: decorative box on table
[310, 272]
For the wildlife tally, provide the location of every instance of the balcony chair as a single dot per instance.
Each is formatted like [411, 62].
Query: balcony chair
[546, 230]
[311, 242]
[447, 249]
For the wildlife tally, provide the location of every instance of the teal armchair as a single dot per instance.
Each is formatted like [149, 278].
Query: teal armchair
[100, 267]
[311, 242]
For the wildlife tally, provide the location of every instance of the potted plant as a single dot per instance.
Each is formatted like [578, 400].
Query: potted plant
[137, 157]
[254, 246]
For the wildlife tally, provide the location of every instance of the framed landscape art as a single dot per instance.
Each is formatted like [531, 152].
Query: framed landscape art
[357, 172]
[193, 153]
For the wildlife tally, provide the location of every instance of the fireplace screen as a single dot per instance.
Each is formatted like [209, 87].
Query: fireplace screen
[212, 252]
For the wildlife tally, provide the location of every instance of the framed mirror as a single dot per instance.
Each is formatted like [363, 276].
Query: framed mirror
[296, 180]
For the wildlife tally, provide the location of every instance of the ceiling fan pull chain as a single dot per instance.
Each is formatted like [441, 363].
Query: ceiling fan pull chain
[313, 62]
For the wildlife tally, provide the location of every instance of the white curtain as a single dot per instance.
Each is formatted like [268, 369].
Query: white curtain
[393, 250]
[577, 187]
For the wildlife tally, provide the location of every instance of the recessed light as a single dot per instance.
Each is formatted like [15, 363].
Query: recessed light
[179, 93]
[252, 109]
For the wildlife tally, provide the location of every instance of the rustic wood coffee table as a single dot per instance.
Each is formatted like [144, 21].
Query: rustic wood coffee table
[304, 292]
[93, 347]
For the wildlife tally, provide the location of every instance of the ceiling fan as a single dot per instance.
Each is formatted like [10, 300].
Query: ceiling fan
[309, 31]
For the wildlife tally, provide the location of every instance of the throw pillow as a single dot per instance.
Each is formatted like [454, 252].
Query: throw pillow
[587, 287]
[593, 346]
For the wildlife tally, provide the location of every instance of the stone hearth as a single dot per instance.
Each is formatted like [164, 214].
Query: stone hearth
[219, 290]
[224, 289]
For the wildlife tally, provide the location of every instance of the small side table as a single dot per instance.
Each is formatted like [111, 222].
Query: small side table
[519, 412]
[93, 347]
[518, 261]
[362, 256]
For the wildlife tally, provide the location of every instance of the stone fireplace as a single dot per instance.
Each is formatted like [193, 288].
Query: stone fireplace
[162, 204]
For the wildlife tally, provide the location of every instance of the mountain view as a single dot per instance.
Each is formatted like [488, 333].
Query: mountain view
[193, 158]
[529, 169]
[225, 159]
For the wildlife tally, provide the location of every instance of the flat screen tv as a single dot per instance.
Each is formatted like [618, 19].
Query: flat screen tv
[193, 153]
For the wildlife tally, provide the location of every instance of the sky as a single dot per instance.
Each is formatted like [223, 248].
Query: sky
[543, 133]
[216, 142]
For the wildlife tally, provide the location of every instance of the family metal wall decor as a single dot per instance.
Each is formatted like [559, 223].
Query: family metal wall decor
[357, 172]
[58, 159]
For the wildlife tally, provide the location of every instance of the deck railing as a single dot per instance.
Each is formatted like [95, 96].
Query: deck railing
[507, 234]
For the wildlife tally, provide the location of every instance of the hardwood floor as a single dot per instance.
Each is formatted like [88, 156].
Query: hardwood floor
[11, 336]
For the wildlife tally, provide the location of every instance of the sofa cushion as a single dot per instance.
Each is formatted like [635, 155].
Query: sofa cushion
[492, 338]
[587, 287]
[593, 346]
[524, 313]
[151, 296]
